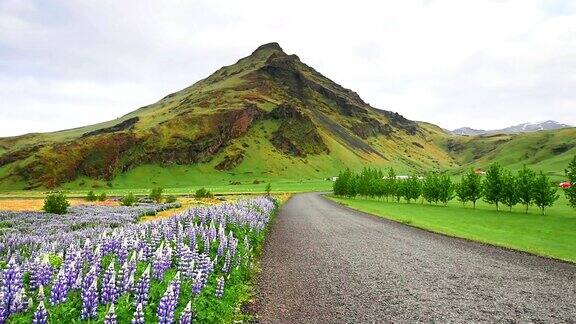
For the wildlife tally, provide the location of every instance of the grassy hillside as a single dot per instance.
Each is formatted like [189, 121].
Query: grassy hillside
[550, 151]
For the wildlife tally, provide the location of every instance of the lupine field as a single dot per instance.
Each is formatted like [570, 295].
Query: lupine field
[101, 268]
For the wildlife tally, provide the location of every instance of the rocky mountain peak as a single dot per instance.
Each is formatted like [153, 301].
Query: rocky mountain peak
[269, 47]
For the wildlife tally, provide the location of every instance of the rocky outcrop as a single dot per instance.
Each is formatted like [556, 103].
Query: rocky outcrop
[297, 135]
[125, 125]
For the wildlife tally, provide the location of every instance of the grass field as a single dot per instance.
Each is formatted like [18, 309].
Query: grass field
[552, 235]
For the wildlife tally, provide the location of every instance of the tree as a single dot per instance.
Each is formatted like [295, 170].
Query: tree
[509, 189]
[525, 186]
[571, 175]
[544, 192]
[461, 191]
[412, 188]
[156, 194]
[391, 184]
[399, 188]
[430, 188]
[56, 203]
[445, 189]
[492, 185]
[474, 189]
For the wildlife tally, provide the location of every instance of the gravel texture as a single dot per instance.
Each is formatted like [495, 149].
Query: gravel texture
[324, 263]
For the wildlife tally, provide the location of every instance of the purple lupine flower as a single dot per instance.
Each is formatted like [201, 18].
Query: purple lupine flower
[11, 286]
[59, 288]
[219, 288]
[43, 272]
[40, 315]
[166, 307]
[159, 263]
[187, 314]
[138, 315]
[41, 296]
[192, 236]
[123, 276]
[142, 288]
[109, 294]
[90, 301]
[198, 282]
[175, 283]
[20, 302]
[186, 262]
[221, 246]
[110, 316]
[227, 261]
[206, 244]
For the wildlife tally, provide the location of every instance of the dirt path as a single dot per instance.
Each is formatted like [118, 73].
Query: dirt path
[327, 264]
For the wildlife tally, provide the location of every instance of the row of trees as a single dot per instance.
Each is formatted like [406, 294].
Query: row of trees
[499, 187]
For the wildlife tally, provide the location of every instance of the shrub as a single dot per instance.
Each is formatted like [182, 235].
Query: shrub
[156, 194]
[56, 203]
[128, 200]
[102, 197]
[171, 199]
[91, 196]
[203, 193]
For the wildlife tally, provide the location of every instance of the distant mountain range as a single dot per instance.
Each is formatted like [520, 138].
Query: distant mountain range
[521, 128]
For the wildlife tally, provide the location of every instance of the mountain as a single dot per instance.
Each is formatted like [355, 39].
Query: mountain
[269, 116]
[521, 128]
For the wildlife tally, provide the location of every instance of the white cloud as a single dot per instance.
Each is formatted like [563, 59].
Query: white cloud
[483, 64]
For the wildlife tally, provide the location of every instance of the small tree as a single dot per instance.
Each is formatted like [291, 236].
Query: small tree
[268, 189]
[391, 185]
[461, 191]
[156, 194]
[399, 188]
[493, 185]
[544, 192]
[91, 196]
[430, 188]
[474, 189]
[102, 197]
[571, 175]
[128, 200]
[509, 189]
[412, 189]
[56, 203]
[445, 189]
[525, 186]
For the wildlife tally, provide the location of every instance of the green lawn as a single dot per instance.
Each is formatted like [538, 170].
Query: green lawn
[552, 235]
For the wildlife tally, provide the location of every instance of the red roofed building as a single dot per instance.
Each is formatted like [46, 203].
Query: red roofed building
[565, 185]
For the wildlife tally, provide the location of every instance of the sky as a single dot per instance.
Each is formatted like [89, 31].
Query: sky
[483, 64]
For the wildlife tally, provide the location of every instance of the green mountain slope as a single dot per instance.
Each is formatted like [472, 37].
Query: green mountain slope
[267, 117]
[550, 151]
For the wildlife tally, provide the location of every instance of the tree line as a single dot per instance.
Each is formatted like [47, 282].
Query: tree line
[498, 187]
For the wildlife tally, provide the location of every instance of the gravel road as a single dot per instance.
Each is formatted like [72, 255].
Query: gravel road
[324, 263]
